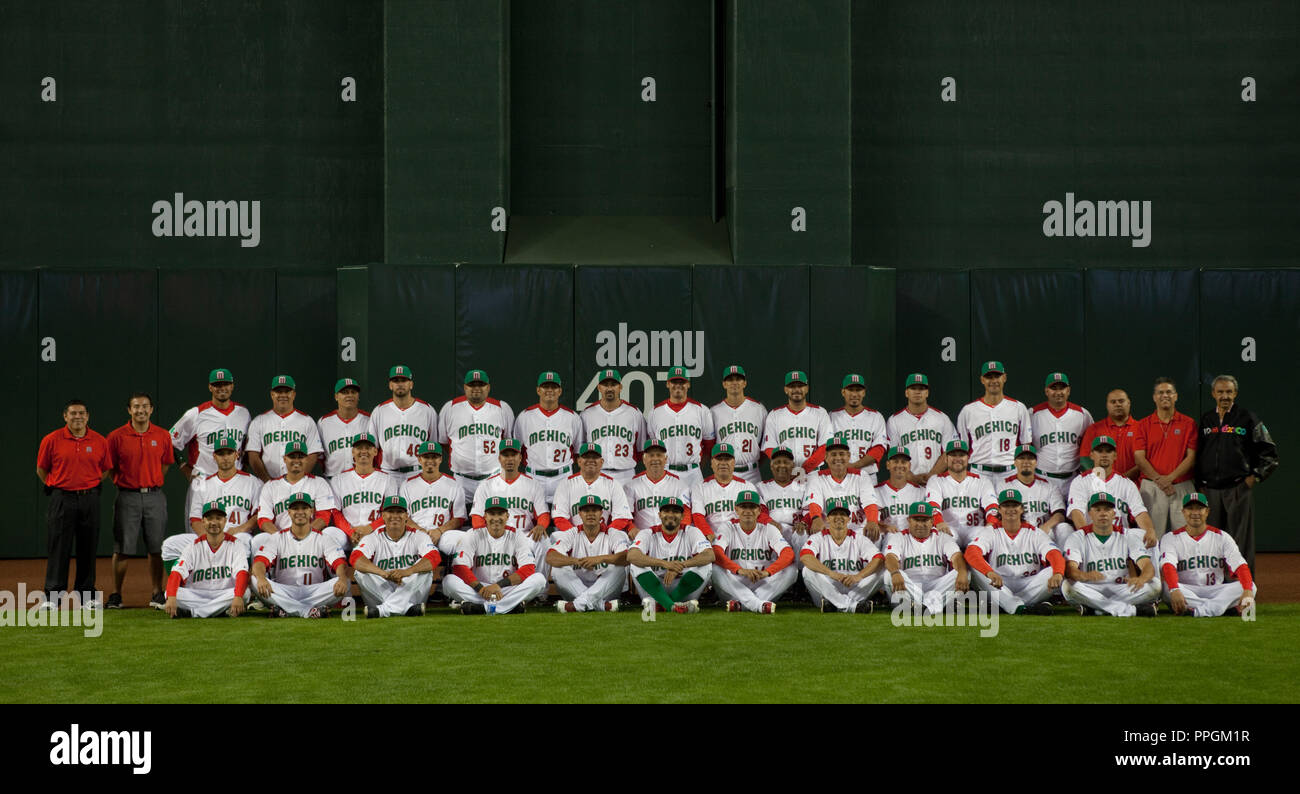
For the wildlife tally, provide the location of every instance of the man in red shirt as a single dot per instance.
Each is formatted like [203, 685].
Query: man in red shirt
[140, 453]
[71, 463]
[1120, 425]
[1164, 449]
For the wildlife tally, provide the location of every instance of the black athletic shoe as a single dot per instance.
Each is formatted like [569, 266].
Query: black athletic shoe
[182, 612]
[416, 611]
[469, 608]
[1146, 611]
[865, 607]
[114, 601]
[1041, 608]
[519, 610]
[158, 600]
[373, 612]
[826, 606]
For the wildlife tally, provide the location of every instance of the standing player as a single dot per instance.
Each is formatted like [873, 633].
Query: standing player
[235, 492]
[394, 568]
[1195, 562]
[863, 428]
[1019, 567]
[995, 424]
[499, 556]
[1043, 506]
[140, 453]
[402, 424]
[273, 503]
[841, 568]
[966, 501]
[1058, 425]
[738, 420]
[436, 501]
[651, 487]
[783, 497]
[281, 425]
[684, 426]
[589, 562]
[921, 430]
[303, 561]
[924, 565]
[838, 481]
[1129, 507]
[523, 496]
[713, 501]
[337, 428]
[799, 425]
[471, 428]
[591, 479]
[896, 495]
[1100, 562]
[615, 425]
[212, 574]
[194, 432]
[673, 555]
[361, 490]
[766, 571]
[550, 432]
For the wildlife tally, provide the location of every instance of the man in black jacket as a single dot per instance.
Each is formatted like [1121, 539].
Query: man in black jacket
[1234, 454]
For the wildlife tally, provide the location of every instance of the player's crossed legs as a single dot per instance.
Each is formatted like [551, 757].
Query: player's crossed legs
[845, 598]
[751, 595]
[1111, 598]
[511, 595]
[590, 591]
[388, 598]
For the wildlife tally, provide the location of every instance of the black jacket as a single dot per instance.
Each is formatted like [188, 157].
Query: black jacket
[1233, 449]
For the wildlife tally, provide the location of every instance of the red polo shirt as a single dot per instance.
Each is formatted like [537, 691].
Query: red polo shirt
[74, 464]
[139, 457]
[1123, 435]
[1166, 444]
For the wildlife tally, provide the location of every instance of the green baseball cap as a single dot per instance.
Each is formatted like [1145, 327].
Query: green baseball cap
[782, 449]
[510, 444]
[678, 373]
[345, 383]
[916, 379]
[609, 374]
[672, 503]
[733, 369]
[992, 366]
[838, 503]
[724, 449]
[593, 449]
[393, 502]
[476, 376]
[226, 439]
[429, 448]
[796, 376]
[283, 382]
[549, 377]
[220, 376]
[301, 497]
[749, 498]
[1026, 449]
[853, 379]
[1056, 377]
[213, 507]
[295, 446]
[1101, 441]
[957, 445]
[591, 500]
[837, 440]
[1196, 497]
[365, 438]
[920, 509]
[400, 371]
[1009, 496]
[897, 452]
[654, 442]
[1101, 497]
[496, 503]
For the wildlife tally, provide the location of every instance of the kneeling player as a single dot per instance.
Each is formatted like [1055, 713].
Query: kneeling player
[924, 565]
[1099, 559]
[303, 560]
[500, 556]
[394, 568]
[668, 553]
[746, 539]
[841, 568]
[589, 562]
[1017, 564]
[1193, 561]
[212, 574]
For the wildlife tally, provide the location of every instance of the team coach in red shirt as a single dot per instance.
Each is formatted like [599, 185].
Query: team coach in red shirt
[140, 453]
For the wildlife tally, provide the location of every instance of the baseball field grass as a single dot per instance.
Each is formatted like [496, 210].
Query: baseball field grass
[795, 655]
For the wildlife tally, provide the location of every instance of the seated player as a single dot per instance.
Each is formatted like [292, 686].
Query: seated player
[435, 500]
[589, 562]
[529, 515]
[1044, 506]
[236, 491]
[753, 540]
[671, 555]
[1194, 561]
[1107, 570]
[360, 490]
[394, 567]
[924, 565]
[841, 567]
[965, 500]
[211, 576]
[838, 481]
[499, 556]
[309, 571]
[272, 502]
[1015, 563]
[897, 494]
[652, 486]
[784, 498]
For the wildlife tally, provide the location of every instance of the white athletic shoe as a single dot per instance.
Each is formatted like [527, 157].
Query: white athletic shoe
[611, 606]
[691, 606]
[565, 606]
[766, 608]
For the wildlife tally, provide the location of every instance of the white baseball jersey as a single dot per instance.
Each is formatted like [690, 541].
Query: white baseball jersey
[714, 504]
[1041, 499]
[273, 502]
[197, 429]
[575, 543]
[855, 487]
[894, 504]
[1057, 436]
[742, 428]
[336, 436]
[1201, 561]
[618, 432]
[1109, 556]
[994, 431]
[757, 548]
[238, 495]
[802, 432]
[359, 498]
[1013, 558]
[474, 433]
[863, 430]
[922, 559]
[432, 504]
[850, 555]
[1127, 498]
[489, 558]
[682, 428]
[400, 431]
[966, 503]
[549, 438]
[785, 503]
[392, 555]
[923, 436]
[683, 544]
[573, 488]
[645, 495]
[523, 495]
[288, 560]
[269, 432]
[203, 568]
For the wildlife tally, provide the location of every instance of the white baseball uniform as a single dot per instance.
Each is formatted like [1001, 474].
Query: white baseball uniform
[400, 431]
[550, 439]
[1202, 566]
[1021, 561]
[336, 436]
[1128, 501]
[683, 429]
[645, 495]
[966, 504]
[196, 431]
[923, 436]
[269, 432]
[483, 558]
[590, 589]
[785, 506]
[854, 487]
[682, 545]
[849, 556]
[273, 507]
[1109, 556]
[211, 578]
[993, 433]
[865, 431]
[391, 555]
[239, 496]
[432, 503]
[1041, 500]
[804, 433]
[713, 504]
[301, 571]
[742, 428]
[527, 507]
[619, 433]
[473, 435]
[360, 498]
[618, 515]
[896, 502]
[1057, 434]
[929, 577]
[760, 548]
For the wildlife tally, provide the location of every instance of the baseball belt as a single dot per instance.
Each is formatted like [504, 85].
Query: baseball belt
[1062, 476]
[745, 468]
[683, 466]
[473, 476]
[550, 472]
[991, 469]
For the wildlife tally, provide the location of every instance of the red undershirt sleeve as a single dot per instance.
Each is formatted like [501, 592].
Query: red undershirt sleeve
[815, 460]
[174, 584]
[465, 573]
[241, 583]
[526, 571]
[720, 557]
[783, 559]
[1243, 576]
[1170, 573]
[876, 453]
[872, 513]
[976, 560]
[1057, 562]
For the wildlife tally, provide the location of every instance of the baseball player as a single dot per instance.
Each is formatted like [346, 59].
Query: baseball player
[550, 433]
[1108, 572]
[783, 497]
[280, 425]
[923, 565]
[591, 479]
[738, 420]
[1129, 507]
[361, 490]
[684, 426]
[589, 562]
[896, 495]
[1017, 566]
[994, 424]
[527, 502]
[1043, 505]
[651, 487]
[841, 568]
[966, 501]
[713, 501]
[435, 501]
[799, 425]
[753, 540]
[1195, 563]
[674, 555]
[235, 492]
[838, 481]
[303, 562]
[1058, 425]
[499, 556]
[194, 432]
[273, 513]
[614, 425]
[471, 428]
[211, 577]
[338, 427]
[862, 427]
[394, 568]
[921, 430]
[402, 424]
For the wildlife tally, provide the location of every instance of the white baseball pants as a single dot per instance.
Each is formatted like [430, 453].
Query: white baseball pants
[448, 541]
[174, 546]
[511, 596]
[540, 547]
[391, 598]
[751, 595]
[621, 476]
[340, 540]
[205, 603]
[549, 484]
[1016, 592]
[933, 593]
[963, 534]
[1209, 600]
[796, 541]
[843, 598]
[705, 572]
[1060, 534]
[589, 590]
[1109, 597]
[299, 599]
[690, 478]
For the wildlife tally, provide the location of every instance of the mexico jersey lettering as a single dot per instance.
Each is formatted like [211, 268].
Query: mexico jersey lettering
[1018, 557]
[1041, 499]
[1109, 556]
[525, 500]
[645, 495]
[742, 428]
[399, 431]
[1208, 559]
[863, 430]
[359, 498]
[1057, 434]
[393, 555]
[204, 568]
[571, 489]
[994, 431]
[273, 502]
[713, 504]
[754, 549]
[964, 503]
[682, 545]
[269, 432]
[475, 433]
[197, 430]
[802, 432]
[491, 558]
[549, 438]
[894, 503]
[239, 496]
[785, 503]
[683, 429]
[854, 487]
[289, 560]
[336, 436]
[432, 504]
[922, 559]
[1127, 498]
[922, 435]
[575, 543]
[849, 556]
[618, 432]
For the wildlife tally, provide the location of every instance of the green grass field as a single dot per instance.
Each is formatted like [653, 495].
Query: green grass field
[796, 655]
